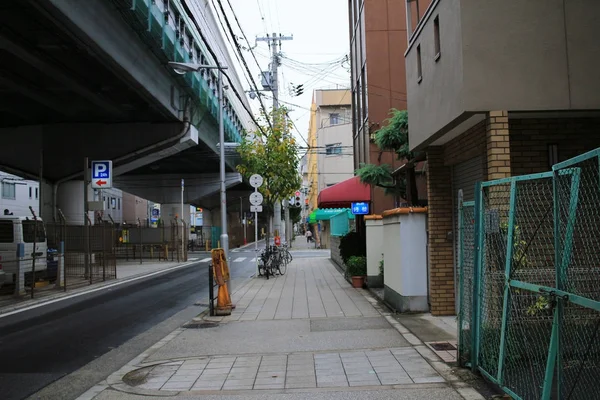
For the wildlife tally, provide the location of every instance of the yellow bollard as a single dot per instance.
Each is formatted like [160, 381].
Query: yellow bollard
[206, 245]
[218, 244]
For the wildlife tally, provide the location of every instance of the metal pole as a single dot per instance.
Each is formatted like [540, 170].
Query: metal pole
[243, 220]
[256, 239]
[275, 91]
[86, 232]
[224, 235]
[182, 224]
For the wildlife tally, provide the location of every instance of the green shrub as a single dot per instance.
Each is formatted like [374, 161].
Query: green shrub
[357, 266]
[352, 244]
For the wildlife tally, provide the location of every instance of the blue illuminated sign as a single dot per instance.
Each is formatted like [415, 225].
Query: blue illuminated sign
[360, 208]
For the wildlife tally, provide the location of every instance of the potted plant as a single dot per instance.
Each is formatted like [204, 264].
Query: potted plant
[357, 269]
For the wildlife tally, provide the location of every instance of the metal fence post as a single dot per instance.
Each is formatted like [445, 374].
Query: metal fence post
[20, 277]
[211, 294]
[477, 263]
[460, 276]
[507, 271]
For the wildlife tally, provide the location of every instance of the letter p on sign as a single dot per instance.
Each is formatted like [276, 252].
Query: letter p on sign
[101, 174]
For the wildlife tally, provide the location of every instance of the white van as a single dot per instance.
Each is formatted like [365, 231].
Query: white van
[14, 230]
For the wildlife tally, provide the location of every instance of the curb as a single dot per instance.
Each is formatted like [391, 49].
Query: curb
[61, 296]
[445, 370]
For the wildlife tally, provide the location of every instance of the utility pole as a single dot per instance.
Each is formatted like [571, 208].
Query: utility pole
[275, 41]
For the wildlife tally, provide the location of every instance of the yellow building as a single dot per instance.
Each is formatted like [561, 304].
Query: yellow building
[313, 173]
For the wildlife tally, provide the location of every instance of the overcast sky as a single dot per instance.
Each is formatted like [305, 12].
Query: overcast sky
[313, 57]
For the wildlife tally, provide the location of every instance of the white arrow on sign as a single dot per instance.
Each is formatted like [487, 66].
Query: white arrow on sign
[256, 181]
[255, 208]
[256, 198]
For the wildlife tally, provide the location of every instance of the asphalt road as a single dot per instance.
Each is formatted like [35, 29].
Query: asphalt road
[68, 346]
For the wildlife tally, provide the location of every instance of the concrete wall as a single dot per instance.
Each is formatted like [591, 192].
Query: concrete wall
[405, 257]
[502, 55]
[437, 98]
[134, 208]
[375, 250]
[70, 202]
[335, 251]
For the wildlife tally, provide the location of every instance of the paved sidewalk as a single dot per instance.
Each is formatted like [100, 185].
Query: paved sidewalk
[306, 334]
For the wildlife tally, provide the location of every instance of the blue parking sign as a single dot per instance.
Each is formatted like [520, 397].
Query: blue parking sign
[101, 174]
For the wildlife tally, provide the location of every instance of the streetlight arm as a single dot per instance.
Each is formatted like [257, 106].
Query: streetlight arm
[191, 67]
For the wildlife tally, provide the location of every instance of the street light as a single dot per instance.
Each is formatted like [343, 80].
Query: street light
[182, 68]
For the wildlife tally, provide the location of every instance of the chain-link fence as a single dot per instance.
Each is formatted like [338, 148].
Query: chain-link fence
[529, 315]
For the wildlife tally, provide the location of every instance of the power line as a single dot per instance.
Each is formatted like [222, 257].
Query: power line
[214, 55]
[237, 46]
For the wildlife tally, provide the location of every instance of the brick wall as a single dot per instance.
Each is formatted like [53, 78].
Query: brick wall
[498, 145]
[335, 251]
[441, 253]
[470, 144]
[529, 140]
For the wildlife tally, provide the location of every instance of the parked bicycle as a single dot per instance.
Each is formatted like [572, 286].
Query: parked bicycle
[274, 261]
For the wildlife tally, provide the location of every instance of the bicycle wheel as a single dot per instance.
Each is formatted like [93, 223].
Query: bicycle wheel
[288, 257]
[282, 267]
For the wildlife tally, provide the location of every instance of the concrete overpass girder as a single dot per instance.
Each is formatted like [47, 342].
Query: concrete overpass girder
[166, 189]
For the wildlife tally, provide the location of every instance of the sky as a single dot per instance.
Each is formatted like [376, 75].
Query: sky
[313, 58]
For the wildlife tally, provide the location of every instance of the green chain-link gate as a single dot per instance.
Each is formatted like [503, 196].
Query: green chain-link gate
[529, 276]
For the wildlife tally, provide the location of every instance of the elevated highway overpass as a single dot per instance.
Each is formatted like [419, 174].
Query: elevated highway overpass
[90, 79]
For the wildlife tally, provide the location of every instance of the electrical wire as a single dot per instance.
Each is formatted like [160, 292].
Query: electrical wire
[214, 55]
[238, 48]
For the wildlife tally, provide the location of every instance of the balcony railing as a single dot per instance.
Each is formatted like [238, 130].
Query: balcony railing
[173, 36]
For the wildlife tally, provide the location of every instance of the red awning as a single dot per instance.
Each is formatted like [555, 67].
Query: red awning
[342, 194]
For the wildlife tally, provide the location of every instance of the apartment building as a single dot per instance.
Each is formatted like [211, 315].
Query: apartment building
[377, 44]
[495, 88]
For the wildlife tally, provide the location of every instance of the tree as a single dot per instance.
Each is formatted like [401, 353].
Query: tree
[392, 137]
[275, 156]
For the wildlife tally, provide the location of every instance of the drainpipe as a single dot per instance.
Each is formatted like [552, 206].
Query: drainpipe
[186, 127]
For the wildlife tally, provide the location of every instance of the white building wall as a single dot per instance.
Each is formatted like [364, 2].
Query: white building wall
[17, 194]
[339, 165]
[70, 202]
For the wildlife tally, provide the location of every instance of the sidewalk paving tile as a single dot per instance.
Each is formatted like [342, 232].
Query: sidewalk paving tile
[285, 307]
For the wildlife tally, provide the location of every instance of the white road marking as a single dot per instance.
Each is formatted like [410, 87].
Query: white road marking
[253, 260]
[206, 259]
[239, 259]
[45, 303]
[192, 259]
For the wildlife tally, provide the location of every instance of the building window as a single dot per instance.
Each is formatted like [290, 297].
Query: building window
[118, 204]
[334, 119]
[8, 191]
[37, 191]
[333, 149]
[6, 232]
[30, 191]
[436, 32]
[419, 70]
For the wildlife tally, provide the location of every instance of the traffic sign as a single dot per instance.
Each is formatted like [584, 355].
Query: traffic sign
[256, 198]
[255, 208]
[256, 181]
[101, 174]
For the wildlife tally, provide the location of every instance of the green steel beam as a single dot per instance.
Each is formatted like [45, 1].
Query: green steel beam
[507, 271]
[570, 297]
[576, 160]
[468, 204]
[517, 179]
[461, 279]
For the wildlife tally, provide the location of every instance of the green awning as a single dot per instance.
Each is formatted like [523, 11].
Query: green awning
[323, 214]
